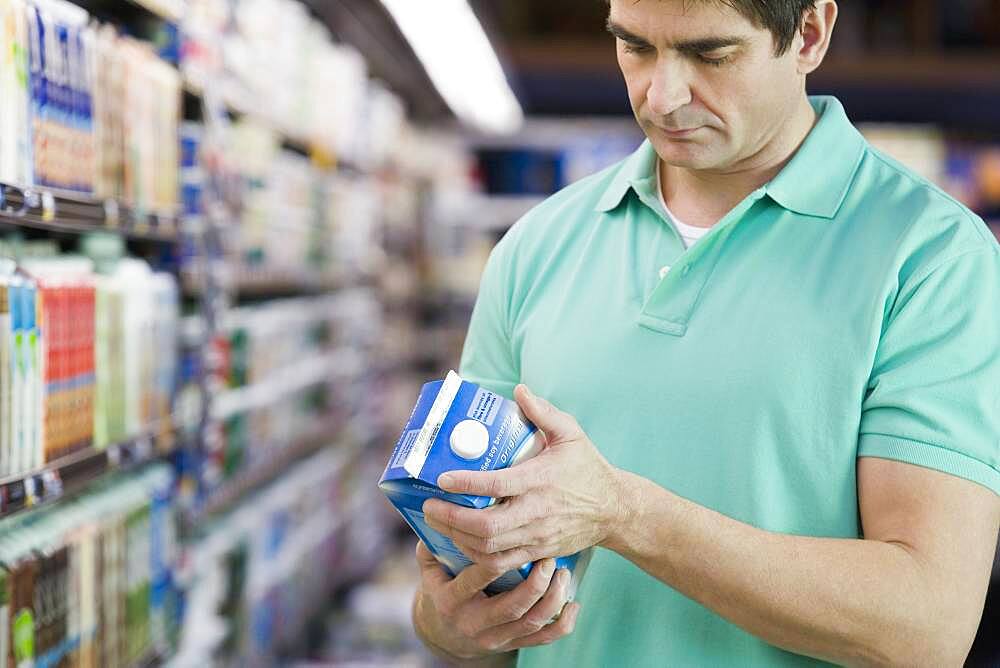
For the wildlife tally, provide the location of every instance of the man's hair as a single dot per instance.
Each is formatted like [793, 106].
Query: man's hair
[783, 18]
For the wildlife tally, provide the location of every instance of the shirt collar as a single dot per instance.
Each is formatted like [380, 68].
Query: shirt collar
[636, 172]
[833, 148]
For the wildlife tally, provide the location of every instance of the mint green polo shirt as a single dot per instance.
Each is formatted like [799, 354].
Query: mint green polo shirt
[848, 308]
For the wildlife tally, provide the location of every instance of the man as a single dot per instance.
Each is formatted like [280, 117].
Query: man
[784, 439]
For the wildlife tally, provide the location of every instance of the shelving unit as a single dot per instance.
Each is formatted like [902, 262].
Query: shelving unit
[241, 444]
[235, 490]
[51, 210]
[74, 473]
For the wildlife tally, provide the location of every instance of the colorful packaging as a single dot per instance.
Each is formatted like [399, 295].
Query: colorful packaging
[458, 426]
[66, 342]
[15, 130]
[19, 384]
[6, 368]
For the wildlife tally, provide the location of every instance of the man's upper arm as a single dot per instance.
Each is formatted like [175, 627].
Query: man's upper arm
[488, 355]
[948, 525]
[933, 397]
[928, 469]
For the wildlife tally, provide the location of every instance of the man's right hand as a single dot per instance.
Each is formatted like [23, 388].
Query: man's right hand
[454, 616]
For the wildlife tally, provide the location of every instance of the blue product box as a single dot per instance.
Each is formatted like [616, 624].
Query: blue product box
[457, 425]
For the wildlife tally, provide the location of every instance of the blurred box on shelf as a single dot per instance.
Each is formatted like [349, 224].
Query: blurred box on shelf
[90, 351]
[84, 109]
[89, 582]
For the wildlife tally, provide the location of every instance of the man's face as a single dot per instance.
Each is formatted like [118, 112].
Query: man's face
[704, 82]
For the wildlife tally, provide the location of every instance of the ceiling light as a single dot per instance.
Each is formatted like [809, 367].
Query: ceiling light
[458, 57]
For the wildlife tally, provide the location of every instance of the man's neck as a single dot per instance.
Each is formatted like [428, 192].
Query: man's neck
[703, 197]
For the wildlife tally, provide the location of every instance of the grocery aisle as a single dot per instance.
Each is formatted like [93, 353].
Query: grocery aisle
[196, 367]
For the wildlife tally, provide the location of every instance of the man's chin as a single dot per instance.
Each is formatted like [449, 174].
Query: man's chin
[683, 155]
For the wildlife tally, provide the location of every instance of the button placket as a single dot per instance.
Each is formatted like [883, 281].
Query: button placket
[670, 306]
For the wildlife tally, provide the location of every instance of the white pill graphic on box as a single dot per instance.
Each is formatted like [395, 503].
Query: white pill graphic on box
[469, 439]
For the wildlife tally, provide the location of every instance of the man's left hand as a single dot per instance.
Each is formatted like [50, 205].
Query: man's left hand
[566, 499]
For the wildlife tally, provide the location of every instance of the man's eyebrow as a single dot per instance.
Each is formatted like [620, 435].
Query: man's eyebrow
[624, 35]
[698, 45]
[708, 44]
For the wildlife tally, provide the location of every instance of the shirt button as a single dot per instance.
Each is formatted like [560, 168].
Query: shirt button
[687, 268]
[664, 270]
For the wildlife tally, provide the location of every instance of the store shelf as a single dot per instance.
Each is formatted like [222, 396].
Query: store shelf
[258, 285]
[239, 102]
[231, 492]
[53, 210]
[293, 379]
[73, 473]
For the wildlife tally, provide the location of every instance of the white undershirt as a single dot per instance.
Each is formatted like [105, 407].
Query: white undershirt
[689, 233]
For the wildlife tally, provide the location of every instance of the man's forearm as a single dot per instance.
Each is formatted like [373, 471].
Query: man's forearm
[427, 637]
[855, 602]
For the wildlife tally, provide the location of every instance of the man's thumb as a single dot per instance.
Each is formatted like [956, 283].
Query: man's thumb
[557, 425]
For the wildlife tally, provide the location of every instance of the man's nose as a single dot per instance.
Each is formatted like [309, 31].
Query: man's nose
[670, 89]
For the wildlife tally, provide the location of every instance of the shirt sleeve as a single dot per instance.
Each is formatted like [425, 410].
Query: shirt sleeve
[488, 356]
[933, 398]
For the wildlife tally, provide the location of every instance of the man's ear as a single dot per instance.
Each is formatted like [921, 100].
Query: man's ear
[814, 35]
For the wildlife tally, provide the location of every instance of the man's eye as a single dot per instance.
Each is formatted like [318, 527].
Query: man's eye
[717, 61]
[637, 48]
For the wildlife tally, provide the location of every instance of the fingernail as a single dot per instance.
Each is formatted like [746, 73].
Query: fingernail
[528, 392]
[445, 480]
[548, 568]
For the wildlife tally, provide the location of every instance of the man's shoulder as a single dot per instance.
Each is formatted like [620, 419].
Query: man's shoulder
[917, 211]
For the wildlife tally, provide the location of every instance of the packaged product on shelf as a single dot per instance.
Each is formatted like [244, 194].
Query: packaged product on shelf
[66, 340]
[247, 46]
[137, 315]
[84, 109]
[26, 385]
[282, 378]
[75, 579]
[6, 367]
[108, 113]
[109, 399]
[14, 376]
[60, 94]
[15, 132]
[85, 359]
[458, 426]
[267, 568]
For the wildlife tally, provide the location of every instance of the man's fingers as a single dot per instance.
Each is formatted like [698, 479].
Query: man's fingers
[497, 484]
[536, 618]
[431, 571]
[483, 523]
[424, 556]
[472, 581]
[554, 631]
[475, 547]
[512, 605]
[558, 426]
